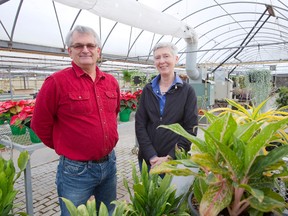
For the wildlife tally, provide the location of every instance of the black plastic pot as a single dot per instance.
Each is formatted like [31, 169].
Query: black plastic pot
[193, 210]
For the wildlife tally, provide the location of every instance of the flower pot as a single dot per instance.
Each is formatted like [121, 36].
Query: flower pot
[18, 130]
[33, 137]
[192, 207]
[125, 115]
[2, 121]
[183, 183]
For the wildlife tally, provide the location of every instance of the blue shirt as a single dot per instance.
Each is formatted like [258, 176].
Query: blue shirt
[156, 89]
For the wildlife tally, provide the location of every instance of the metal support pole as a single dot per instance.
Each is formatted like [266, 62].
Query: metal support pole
[28, 188]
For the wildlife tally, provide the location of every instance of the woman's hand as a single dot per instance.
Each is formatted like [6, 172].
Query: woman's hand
[155, 161]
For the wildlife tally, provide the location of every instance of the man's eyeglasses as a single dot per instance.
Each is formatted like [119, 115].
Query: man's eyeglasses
[81, 46]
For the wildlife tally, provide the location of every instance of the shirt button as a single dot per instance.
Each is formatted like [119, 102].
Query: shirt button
[79, 97]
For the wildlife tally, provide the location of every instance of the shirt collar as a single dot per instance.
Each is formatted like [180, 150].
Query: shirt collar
[155, 81]
[79, 72]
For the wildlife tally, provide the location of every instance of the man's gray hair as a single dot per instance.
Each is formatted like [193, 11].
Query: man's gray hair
[82, 30]
[171, 46]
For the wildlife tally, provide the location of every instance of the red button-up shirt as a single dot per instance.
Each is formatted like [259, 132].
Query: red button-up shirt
[76, 116]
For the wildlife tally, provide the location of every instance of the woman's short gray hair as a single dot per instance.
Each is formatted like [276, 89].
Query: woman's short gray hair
[171, 46]
[82, 30]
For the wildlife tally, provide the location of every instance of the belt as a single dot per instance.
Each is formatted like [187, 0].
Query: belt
[101, 160]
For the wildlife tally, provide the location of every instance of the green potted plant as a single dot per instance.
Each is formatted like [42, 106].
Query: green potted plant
[150, 195]
[236, 174]
[282, 99]
[126, 75]
[138, 79]
[8, 177]
[23, 118]
[128, 103]
[11, 109]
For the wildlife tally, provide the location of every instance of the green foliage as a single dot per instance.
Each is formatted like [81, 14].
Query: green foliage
[151, 77]
[8, 177]
[152, 195]
[253, 113]
[239, 81]
[236, 172]
[127, 75]
[85, 210]
[282, 99]
[259, 82]
[138, 79]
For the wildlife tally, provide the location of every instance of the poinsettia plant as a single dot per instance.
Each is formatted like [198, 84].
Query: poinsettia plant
[18, 112]
[24, 117]
[129, 100]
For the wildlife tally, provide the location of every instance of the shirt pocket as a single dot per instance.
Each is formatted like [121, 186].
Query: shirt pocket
[110, 101]
[80, 102]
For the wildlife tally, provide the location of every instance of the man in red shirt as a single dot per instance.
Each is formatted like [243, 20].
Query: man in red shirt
[76, 114]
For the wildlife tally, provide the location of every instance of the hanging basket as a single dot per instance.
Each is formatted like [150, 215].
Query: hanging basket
[33, 137]
[125, 115]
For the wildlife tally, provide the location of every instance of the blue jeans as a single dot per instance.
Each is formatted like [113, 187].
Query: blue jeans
[77, 181]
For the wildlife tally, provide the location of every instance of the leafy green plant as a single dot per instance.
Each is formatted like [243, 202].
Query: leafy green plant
[254, 113]
[235, 173]
[151, 195]
[138, 79]
[8, 177]
[259, 82]
[85, 210]
[2, 146]
[282, 99]
[127, 75]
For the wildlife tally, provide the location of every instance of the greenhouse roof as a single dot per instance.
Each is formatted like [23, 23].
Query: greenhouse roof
[231, 35]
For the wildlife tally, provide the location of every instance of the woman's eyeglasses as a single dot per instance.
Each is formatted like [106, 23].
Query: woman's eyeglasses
[81, 46]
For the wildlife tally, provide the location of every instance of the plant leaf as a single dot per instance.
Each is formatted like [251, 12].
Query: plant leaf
[178, 129]
[258, 194]
[70, 206]
[274, 156]
[259, 141]
[270, 202]
[216, 198]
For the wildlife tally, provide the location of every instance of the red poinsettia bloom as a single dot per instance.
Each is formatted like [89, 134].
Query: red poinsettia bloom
[129, 100]
[19, 112]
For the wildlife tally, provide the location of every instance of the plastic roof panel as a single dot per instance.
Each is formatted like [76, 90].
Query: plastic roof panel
[33, 26]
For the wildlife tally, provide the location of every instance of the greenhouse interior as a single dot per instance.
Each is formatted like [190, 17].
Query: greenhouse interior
[230, 51]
